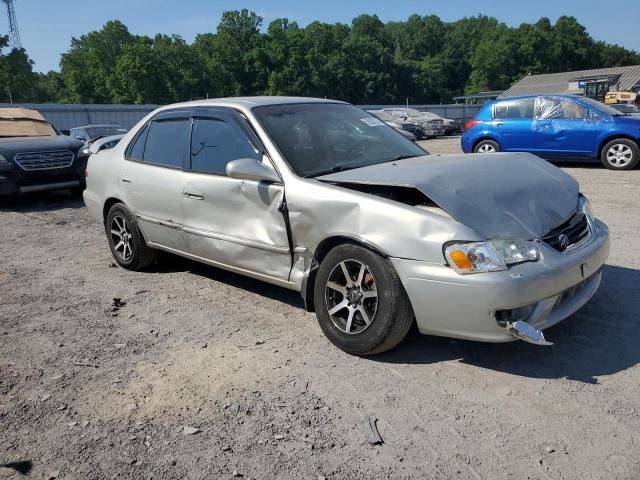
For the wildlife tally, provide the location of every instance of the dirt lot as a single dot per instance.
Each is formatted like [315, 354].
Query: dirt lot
[102, 369]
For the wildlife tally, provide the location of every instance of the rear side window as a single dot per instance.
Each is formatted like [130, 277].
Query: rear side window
[518, 109]
[215, 142]
[137, 150]
[167, 142]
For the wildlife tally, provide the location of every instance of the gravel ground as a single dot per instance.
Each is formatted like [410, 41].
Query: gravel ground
[186, 371]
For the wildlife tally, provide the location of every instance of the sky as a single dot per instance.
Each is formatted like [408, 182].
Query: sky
[46, 27]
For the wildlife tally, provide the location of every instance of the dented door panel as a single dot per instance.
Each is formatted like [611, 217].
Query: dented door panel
[236, 223]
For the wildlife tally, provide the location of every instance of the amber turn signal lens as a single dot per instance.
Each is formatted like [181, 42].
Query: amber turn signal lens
[461, 260]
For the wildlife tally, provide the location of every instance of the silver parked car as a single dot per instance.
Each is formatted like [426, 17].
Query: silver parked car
[323, 198]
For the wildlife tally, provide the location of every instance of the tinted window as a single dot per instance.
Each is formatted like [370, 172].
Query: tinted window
[79, 133]
[167, 142]
[137, 150]
[522, 109]
[214, 143]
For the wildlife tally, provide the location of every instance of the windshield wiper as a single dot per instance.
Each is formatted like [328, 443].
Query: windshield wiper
[402, 157]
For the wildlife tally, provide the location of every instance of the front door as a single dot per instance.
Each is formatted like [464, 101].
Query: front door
[150, 180]
[235, 223]
[563, 128]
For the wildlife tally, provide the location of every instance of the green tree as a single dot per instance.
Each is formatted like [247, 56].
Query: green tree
[18, 81]
[89, 65]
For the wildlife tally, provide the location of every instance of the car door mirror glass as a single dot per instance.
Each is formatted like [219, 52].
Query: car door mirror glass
[251, 169]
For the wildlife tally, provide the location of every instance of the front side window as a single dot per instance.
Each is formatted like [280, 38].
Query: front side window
[215, 142]
[514, 109]
[167, 142]
[320, 138]
[558, 109]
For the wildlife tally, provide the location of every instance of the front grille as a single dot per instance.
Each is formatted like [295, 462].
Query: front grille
[44, 160]
[411, 128]
[437, 123]
[570, 234]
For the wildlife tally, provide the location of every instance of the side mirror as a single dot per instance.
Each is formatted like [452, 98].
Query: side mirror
[251, 169]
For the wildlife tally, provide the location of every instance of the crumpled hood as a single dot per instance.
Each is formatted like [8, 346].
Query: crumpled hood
[500, 196]
[12, 145]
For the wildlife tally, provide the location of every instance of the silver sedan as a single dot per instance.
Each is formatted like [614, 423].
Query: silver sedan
[323, 198]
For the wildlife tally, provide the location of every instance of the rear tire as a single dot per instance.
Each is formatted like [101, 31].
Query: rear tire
[373, 292]
[620, 154]
[126, 242]
[486, 146]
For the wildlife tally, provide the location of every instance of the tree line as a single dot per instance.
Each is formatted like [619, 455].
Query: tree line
[422, 59]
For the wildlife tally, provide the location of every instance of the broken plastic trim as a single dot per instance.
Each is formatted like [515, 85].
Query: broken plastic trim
[526, 332]
[403, 194]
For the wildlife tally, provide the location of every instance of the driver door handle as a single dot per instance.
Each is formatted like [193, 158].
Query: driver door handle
[193, 194]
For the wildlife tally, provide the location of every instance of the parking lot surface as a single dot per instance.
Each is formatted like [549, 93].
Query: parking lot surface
[187, 371]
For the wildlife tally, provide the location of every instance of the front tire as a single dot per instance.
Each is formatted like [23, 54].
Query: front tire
[360, 302]
[486, 146]
[620, 154]
[126, 242]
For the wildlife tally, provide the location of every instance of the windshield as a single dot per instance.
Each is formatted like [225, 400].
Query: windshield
[384, 116]
[25, 127]
[320, 138]
[105, 131]
[601, 107]
[412, 112]
[626, 108]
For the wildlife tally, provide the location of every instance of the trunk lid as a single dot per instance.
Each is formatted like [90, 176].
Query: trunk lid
[500, 196]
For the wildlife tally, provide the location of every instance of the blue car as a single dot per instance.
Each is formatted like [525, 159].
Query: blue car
[556, 127]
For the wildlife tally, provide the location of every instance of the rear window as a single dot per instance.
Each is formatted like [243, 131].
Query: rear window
[522, 109]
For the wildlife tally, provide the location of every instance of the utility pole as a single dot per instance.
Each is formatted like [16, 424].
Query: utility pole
[14, 33]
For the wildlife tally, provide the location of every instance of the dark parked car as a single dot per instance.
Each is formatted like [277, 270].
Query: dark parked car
[33, 156]
[409, 130]
[90, 133]
[559, 127]
[432, 127]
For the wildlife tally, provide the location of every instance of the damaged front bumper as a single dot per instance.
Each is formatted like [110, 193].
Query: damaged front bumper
[480, 306]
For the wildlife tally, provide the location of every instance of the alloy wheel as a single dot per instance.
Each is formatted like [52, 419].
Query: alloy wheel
[351, 296]
[486, 148]
[121, 237]
[619, 155]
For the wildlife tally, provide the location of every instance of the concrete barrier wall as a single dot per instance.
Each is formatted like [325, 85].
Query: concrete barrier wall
[65, 116]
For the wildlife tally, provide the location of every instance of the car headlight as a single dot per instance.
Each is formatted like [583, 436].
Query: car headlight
[491, 256]
[584, 206]
[84, 152]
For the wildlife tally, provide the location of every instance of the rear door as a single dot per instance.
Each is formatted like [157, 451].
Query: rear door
[237, 223]
[513, 124]
[564, 128]
[152, 175]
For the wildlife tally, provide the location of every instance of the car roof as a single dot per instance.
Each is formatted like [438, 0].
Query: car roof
[98, 126]
[528, 97]
[251, 102]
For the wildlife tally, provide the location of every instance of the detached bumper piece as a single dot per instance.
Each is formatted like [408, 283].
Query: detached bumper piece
[526, 332]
